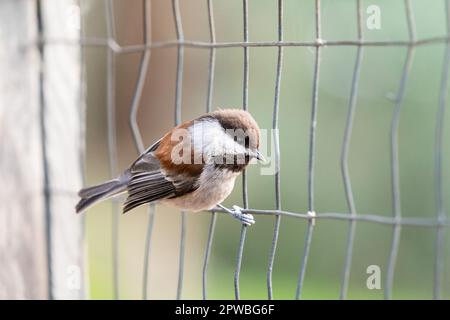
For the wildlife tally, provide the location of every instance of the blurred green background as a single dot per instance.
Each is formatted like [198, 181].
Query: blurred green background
[369, 158]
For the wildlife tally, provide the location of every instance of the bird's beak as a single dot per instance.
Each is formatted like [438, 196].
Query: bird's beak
[259, 156]
[255, 154]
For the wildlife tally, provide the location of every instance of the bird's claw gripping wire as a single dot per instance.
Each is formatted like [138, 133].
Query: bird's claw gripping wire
[236, 211]
[245, 218]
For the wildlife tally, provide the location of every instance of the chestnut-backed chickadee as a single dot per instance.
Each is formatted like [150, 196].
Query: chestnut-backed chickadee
[193, 167]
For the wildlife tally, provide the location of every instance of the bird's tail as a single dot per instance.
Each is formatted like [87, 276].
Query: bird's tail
[91, 195]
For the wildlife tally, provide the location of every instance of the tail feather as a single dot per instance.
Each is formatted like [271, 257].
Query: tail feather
[92, 190]
[91, 195]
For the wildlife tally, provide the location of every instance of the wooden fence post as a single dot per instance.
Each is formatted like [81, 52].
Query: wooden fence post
[40, 143]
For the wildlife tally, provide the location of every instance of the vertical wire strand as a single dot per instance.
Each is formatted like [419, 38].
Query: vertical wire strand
[239, 262]
[277, 152]
[246, 56]
[212, 227]
[344, 156]
[312, 144]
[112, 139]
[82, 155]
[395, 180]
[178, 93]
[147, 252]
[212, 56]
[438, 157]
[180, 60]
[140, 82]
[45, 165]
[181, 255]
[211, 70]
[137, 136]
[244, 174]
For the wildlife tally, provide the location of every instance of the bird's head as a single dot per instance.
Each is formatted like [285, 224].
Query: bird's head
[230, 138]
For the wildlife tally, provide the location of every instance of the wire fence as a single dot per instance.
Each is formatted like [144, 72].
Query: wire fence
[397, 221]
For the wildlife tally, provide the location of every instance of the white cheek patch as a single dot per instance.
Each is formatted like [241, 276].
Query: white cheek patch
[210, 140]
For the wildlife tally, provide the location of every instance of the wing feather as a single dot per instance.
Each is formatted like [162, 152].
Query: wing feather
[146, 187]
[148, 183]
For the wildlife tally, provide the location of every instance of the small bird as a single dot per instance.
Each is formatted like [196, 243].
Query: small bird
[193, 167]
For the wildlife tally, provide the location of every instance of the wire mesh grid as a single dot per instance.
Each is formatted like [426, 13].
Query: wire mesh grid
[397, 221]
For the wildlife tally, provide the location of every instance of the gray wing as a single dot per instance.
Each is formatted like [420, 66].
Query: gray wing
[146, 161]
[148, 183]
[147, 187]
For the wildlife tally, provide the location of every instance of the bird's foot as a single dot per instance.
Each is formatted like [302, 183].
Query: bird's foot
[236, 211]
[245, 218]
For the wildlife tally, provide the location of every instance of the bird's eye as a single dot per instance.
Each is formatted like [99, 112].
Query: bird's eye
[247, 141]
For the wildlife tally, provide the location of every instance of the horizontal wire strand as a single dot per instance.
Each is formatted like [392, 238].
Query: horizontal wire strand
[129, 49]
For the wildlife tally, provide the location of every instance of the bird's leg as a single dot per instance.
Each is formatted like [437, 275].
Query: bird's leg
[237, 213]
